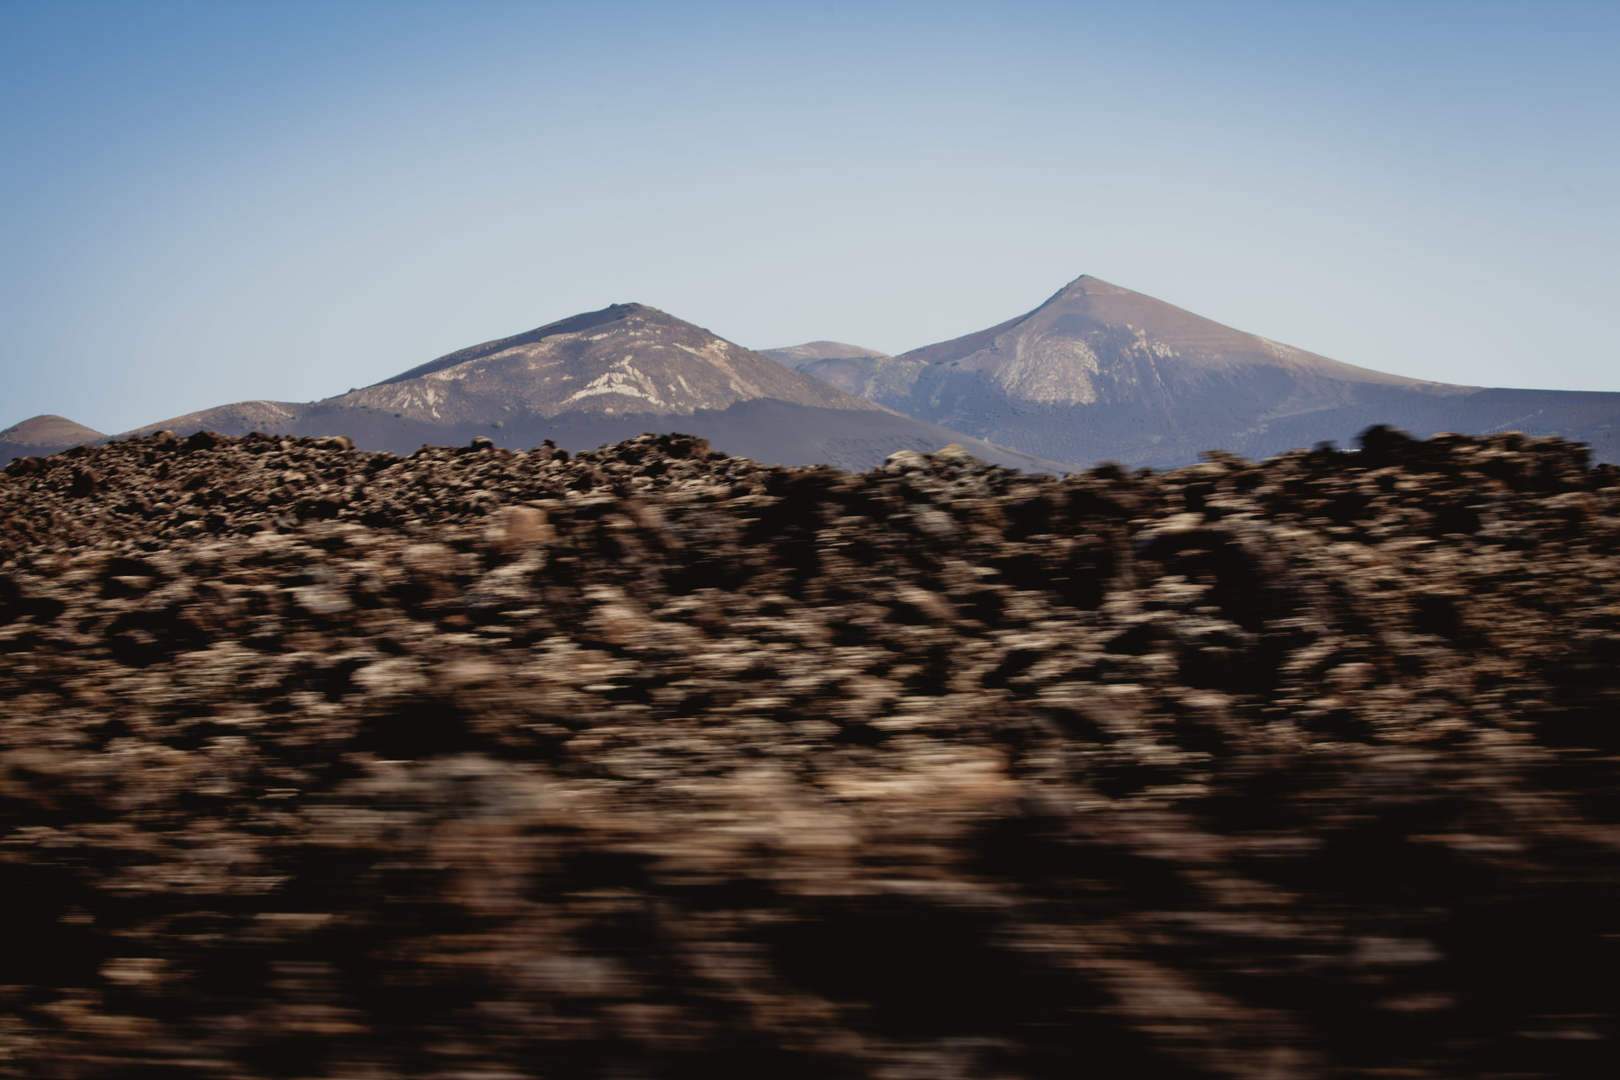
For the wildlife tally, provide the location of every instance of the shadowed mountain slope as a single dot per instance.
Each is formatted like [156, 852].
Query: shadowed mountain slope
[601, 377]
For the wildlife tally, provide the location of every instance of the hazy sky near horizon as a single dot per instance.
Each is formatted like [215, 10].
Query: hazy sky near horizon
[209, 202]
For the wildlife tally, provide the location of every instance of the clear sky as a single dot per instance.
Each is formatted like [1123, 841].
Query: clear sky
[207, 202]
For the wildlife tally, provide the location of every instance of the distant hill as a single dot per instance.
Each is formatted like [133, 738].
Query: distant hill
[601, 377]
[853, 369]
[1101, 372]
[797, 356]
[44, 434]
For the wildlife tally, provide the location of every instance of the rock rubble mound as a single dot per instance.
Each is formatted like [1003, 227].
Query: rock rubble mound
[650, 761]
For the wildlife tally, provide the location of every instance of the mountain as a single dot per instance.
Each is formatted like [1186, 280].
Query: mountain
[46, 434]
[601, 377]
[854, 369]
[797, 356]
[1100, 372]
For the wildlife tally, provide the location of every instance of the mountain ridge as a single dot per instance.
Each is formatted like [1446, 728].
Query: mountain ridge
[622, 358]
[1094, 372]
[1097, 372]
[600, 377]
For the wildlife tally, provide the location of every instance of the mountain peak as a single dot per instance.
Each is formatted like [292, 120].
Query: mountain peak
[49, 431]
[628, 308]
[1101, 370]
[573, 324]
[44, 434]
[1094, 342]
[624, 359]
[599, 377]
[1089, 285]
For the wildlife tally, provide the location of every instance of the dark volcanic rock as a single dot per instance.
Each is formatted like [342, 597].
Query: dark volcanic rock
[652, 761]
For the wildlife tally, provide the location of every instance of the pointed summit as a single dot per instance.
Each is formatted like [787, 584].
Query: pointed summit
[1087, 285]
[1134, 331]
[1100, 371]
[1094, 341]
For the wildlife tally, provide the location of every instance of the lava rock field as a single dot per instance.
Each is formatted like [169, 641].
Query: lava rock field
[653, 762]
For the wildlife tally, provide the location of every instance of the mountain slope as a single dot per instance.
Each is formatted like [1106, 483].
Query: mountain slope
[853, 369]
[627, 358]
[44, 434]
[601, 377]
[1099, 371]
[796, 356]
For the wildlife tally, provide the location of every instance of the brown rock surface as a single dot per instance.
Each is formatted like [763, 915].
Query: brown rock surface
[653, 762]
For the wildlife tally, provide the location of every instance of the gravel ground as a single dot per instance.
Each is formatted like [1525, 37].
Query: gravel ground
[655, 762]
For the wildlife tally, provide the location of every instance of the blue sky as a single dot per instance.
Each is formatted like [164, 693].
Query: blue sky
[206, 202]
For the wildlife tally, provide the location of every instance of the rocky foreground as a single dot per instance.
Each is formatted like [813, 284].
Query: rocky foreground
[654, 762]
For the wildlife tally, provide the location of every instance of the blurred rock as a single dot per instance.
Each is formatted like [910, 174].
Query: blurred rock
[650, 761]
